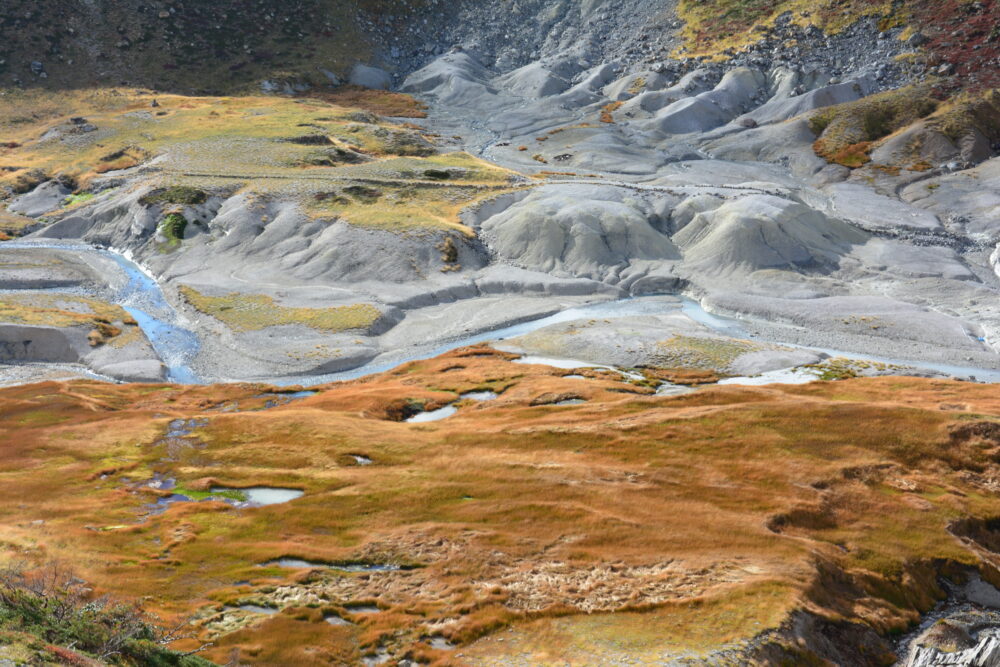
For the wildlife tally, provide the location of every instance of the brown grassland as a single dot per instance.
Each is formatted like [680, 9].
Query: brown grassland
[632, 522]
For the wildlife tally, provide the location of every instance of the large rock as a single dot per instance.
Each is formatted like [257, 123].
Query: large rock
[370, 77]
[870, 210]
[20, 342]
[47, 197]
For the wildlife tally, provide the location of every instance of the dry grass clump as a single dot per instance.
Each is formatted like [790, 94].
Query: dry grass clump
[713, 26]
[847, 132]
[253, 312]
[698, 520]
[13, 225]
[968, 113]
[706, 354]
[66, 310]
[380, 102]
[409, 194]
[608, 110]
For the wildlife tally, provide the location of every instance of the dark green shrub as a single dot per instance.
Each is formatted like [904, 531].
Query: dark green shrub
[173, 227]
[59, 609]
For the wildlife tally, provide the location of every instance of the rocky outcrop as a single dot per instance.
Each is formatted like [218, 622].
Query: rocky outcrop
[956, 648]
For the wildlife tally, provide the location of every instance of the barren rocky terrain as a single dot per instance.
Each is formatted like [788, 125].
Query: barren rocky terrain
[674, 198]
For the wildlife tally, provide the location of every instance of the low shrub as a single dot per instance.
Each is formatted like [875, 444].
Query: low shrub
[58, 608]
[173, 226]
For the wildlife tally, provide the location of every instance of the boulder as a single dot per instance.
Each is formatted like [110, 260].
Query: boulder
[47, 197]
[370, 77]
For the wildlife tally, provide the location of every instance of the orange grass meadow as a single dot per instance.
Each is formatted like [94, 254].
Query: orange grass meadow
[676, 525]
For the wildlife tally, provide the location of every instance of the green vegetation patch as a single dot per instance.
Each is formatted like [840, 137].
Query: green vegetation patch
[847, 132]
[172, 226]
[77, 200]
[74, 628]
[253, 312]
[712, 26]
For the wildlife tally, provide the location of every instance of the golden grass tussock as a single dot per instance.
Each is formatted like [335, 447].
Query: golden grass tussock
[107, 320]
[674, 525]
[848, 132]
[253, 312]
[380, 102]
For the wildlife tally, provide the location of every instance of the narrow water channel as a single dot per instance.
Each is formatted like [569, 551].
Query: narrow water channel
[177, 345]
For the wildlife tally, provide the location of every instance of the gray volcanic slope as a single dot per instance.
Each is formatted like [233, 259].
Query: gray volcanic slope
[661, 176]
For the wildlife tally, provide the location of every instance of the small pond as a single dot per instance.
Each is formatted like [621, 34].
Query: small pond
[433, 415]
[259, 496]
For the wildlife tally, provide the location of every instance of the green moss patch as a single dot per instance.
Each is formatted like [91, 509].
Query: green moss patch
[172, 228]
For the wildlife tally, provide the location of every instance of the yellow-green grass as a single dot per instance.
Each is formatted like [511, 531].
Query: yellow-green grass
[848, 132]
[702, 516]
[252, 144]
[690, 627]
[714, 26]
[13, 225]
[69, 310]
[199, 132]
[405, 193]
[704, 353]
[253, 312]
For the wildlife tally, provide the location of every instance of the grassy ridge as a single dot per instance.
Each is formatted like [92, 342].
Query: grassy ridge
[714, 26]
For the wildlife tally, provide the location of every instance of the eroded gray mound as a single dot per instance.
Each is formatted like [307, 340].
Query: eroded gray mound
[579, 231]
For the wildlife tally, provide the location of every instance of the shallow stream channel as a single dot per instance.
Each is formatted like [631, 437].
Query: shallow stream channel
[141, 297]
[177, 345]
